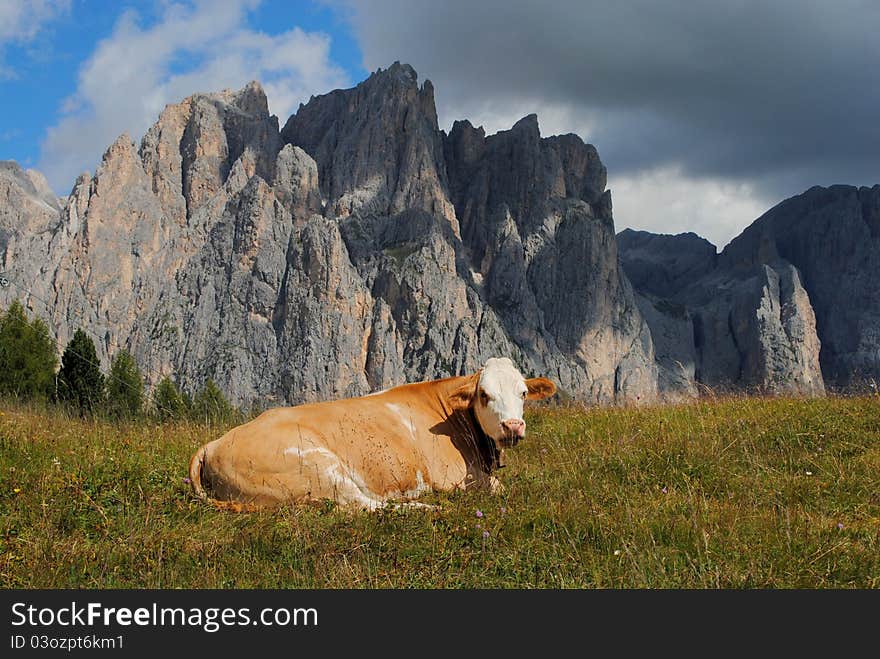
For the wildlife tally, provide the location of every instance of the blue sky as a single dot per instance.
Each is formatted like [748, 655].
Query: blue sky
[45, 68]
[42, 72]
[705, 114]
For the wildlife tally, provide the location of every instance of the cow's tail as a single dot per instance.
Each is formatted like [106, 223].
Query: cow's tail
[195, 472]
[196, 467]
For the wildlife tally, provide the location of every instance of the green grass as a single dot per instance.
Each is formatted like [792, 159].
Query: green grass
[755, 493]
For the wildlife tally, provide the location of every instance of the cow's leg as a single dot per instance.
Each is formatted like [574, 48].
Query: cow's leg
[326, 476]
[349, 490]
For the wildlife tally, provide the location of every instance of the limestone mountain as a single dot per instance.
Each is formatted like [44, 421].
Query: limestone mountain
[358, 248]
[361, 246]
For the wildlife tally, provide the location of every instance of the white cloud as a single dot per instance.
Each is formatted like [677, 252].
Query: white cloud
[22, 20]
[665, 200]
[203, 47]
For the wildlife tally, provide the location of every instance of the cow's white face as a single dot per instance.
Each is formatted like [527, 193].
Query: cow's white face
[497, 398]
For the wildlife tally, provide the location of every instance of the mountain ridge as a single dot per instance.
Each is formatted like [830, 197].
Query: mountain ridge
[326, 258]
[359, 246]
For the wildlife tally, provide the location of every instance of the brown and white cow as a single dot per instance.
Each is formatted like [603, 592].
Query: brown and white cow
[393, 445]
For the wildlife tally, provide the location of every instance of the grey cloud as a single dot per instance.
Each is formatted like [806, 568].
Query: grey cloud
[782, 94]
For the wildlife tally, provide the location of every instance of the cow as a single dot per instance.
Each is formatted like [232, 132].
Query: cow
[388, 447]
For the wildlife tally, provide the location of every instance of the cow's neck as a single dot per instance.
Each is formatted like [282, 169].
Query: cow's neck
[490, 456]
[466, 432]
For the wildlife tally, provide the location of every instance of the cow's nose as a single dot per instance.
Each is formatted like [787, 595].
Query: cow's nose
[516, 427]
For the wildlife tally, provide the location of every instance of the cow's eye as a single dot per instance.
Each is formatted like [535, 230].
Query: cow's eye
[484, 397]
[523, 395]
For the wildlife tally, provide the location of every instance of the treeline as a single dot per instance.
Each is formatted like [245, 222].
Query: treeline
[29, 370]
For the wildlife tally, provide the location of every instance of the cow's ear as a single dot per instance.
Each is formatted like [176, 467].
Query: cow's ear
[540, 388]
[462, 397]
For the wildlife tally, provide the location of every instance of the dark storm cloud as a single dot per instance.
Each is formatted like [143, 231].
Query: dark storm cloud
[784, 94]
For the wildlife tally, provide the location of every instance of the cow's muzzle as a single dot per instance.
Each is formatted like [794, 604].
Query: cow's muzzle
[513, 430]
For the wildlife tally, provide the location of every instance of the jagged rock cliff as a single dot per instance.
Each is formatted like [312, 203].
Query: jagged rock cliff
[727, 328]
[357, 248]
[832, 236]
[746, 327]
[789, 305]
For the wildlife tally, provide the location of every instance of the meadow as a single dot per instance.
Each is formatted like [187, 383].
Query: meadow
[717, 493]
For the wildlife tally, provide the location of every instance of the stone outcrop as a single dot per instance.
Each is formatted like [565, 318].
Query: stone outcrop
[754, 329]
[357, 248]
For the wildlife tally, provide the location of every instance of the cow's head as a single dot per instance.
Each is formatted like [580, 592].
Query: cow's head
[496, 394]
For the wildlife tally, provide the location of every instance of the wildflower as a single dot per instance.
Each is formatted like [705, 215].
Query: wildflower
[16, 490]
[617, 552]
[840, 525]
[479, 513]
[809, 473]
[186, 480]
[503, 510]
[485, 534]
[664, 490]
[477, 525]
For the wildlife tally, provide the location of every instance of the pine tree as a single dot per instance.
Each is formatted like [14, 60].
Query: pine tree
[211, 406]
[27, 355]
[80, 381]
[125, 387]
[168, 402]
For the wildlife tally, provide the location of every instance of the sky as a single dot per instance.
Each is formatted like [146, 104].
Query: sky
[706, 114]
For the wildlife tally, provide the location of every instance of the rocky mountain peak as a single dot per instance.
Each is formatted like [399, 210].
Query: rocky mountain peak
[402, 73]
[190, 151]
[251, 99]
[29, 182]
[465, 144]
[120, 156]
[516, 171]
[832, 235]
[377, 146]
[28, 208]
[527, 127]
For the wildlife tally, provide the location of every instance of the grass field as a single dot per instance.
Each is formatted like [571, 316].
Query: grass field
[726, 493]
